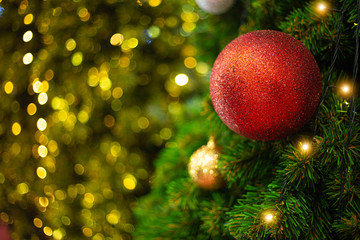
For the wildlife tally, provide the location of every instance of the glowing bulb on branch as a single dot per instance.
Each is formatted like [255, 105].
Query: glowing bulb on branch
[268, 216]
[322, 8]
[305, 147]
[345, 90]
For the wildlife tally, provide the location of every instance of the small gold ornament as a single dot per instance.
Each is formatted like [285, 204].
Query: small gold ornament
[203, 167]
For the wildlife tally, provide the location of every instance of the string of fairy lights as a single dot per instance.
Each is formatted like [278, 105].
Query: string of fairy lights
[344, 89]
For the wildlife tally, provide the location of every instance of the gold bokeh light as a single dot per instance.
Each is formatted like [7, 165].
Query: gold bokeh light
[41, 124]
[181, 79]
[28, 35]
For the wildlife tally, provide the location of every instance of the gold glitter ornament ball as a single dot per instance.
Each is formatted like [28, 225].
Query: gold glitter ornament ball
[203, 167]
[215, 6]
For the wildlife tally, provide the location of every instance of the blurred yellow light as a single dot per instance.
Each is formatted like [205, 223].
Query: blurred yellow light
[189, 50]
[93, 71]
[48, 231]
[41, 124]
[143, 122]
[109, 121]
[41, 172]
[79, 169]
[63, 115]
[113, 217]
[42, 151]
[70, 44]
[53, 146]
[28, 19]
[49, 74]
[165, 133]
[37, 222]
[87, 232]
[60, 195]
[115, 149]
[28, 36]
[37, 86]
[202, 68]
[83, 116]
[43, 201]
[154, 31]
[8, 87]
[132, 42]
[188, 26]
[154, 3]
[181, 79]
[117, 92]
[116, 39]
[16, 128]
[42, 98]
[83, 12]
[28, 58]
[57, 234]
[105, 83]
[93, 80]
[4, 217]
[124, 62]
[22, 188]
[129, 182]
[171, 21]
[45, 85]
[190, 62]
[65, 220]
[88, 200]
[77, 58]
[31, 109]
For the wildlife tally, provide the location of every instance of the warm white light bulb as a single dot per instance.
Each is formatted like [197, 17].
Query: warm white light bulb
[269, 217]
[321, 7]
[181, 79]
[305, 147]
[345, 89]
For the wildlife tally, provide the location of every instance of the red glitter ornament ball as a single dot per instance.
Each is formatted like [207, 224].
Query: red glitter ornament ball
[265, 85]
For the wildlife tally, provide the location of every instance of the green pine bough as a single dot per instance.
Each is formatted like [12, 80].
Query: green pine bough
[274, 190]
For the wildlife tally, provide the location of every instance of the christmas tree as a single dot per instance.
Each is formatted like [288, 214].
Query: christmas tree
[279, 173]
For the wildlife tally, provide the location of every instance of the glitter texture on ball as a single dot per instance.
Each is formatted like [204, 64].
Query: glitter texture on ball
[203, 167]
[265, 85]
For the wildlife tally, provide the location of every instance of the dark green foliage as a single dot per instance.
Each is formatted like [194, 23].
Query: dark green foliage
[349, 225]
[299, 167]
[248, 216]
[246, 161]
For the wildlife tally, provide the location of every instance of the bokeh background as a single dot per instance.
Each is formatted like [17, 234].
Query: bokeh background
[89, 94]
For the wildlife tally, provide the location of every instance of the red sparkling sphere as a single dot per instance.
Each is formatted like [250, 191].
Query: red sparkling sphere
[265, 85]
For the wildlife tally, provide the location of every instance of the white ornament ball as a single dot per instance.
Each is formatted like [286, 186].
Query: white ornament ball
[215, 6]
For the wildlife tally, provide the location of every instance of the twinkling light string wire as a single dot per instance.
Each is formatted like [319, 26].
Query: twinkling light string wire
[351, 111]
[333, 60]
[325, 89]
